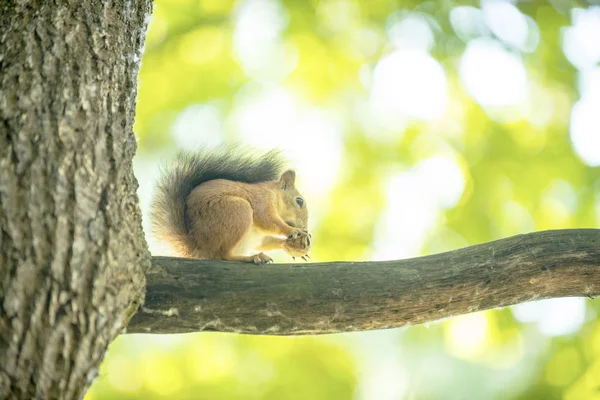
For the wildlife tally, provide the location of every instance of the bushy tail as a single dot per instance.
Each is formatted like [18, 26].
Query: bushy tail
[190, 169]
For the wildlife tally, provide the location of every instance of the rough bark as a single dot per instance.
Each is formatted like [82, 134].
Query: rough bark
[72, 250]
[186, 295]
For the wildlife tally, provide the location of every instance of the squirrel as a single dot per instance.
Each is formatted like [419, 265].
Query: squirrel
[221, 204]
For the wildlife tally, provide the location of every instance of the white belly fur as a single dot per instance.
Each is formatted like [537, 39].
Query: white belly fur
[250, 243]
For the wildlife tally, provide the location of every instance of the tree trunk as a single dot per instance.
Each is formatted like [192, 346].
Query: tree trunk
[72, 250]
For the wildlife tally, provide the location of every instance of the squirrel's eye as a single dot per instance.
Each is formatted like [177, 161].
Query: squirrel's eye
[299, 201]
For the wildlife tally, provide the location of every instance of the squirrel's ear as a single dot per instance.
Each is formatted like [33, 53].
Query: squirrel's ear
[288, 178]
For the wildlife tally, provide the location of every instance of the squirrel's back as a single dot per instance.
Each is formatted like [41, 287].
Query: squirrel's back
[190, 169]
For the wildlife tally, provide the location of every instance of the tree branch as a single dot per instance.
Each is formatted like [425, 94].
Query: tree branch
[185, 295]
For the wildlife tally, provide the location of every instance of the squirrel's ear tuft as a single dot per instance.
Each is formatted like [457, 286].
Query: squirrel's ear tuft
[288, 178]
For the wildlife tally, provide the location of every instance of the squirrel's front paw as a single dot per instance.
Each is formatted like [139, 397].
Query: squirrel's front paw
[297, 243]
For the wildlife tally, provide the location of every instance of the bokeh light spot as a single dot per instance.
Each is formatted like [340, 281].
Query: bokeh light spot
[410, 214]
[555, 317]
[585, 121]
[492, 75]
[580, 41]
[257, 40]
[444, 178]
[411, 32]
[468, 22]
[310, 138]
[411, 83]
[415, 201]
[198, 126]
[466, 335]
[506, 22]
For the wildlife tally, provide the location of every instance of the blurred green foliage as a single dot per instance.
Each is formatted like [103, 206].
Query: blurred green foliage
[419, 183]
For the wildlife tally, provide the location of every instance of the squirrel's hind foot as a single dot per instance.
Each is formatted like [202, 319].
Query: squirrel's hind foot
[259, 258]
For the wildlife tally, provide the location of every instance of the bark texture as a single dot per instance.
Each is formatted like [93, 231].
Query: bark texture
[186, 295]
[72, 250]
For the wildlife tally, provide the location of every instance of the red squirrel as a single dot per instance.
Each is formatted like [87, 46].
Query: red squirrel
[227, 205]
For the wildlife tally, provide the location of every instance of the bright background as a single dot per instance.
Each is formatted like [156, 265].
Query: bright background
[415, 128]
